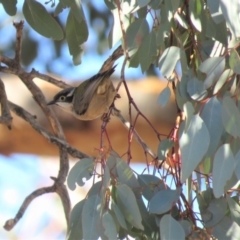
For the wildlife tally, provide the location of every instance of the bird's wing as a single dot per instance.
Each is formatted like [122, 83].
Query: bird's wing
[88, 88]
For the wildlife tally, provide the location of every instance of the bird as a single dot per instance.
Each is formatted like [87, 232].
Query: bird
[91, 99]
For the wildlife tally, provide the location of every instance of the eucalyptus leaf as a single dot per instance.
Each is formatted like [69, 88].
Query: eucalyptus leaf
[189, 111]
[82, 169]
[136, 32]
[212, 117]
[143, 3]
[10, 6]
[234, 209]
[170, 228]
[222, 80]
[128, 200]
[75, 225]
[195, 12]
[119, 215]
[230, 116]
[163, 148]
[223, 165]
[108, 223]
[234, 61]
[76, 34]
[147, 51]
[41, 21]
[193, 145]
[164, 96]
[226, 229]
[237, 165]
[91, 218]
[196, 89]
[213, 67]
[163, 201]
[168, 60]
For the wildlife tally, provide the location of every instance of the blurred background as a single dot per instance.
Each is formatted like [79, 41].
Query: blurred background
[27, 160]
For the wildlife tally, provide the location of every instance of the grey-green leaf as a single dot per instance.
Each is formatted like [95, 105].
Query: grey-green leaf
[109, 226]
[230, 116]
[226, 229]
[168, 60]
[76, 34]
[41, 21]
[193, 145]
[189, 111]
[234, 61]
[128, 200]
[163, 201]
[75, 226]
[10, 6]
[234, 209]
[136, 32]
[164, 96]
[212, 117]
[237, 165]
[91, 218]
[82, 169]
[196, 89]
[119, 215]
[147, 51]
[170, 228]
[163, 148]
[223, 165]
[222, 80]
[213, 67]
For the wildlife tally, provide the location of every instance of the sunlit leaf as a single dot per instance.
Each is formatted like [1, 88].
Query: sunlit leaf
[168, 60]
[193, 145]
[164, 96]
[222, 80]
[170, 228]
[234, 61]
[230, 116]
[196, 89]
[223, 165]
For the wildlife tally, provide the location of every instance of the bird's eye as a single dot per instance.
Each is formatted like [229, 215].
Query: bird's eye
[62, 98]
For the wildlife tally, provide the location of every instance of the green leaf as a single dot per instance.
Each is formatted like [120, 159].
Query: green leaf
[164, 96]
[212, 117]
[75, 226]
[91, 218]
[193, 145]
[131, 211]
[226, 229]
[41, 21]
[234, 61]
[163, 148]
[230, 116]
[237, 165]
[231, 15]
[223, 165]
[150, 185]
[215, 212]
[213, 67]
[168, 61]
[143, 3]
[196, 89]
[222, 80]
[136, 32]
[126, 176]
[10, 6]
[95, 189]
[76, 34]
[147, 51]
[82, 169]
[195, 8]
[109, 226]
[170, 228]
[164, 200]
[119, 215]
[189, 111]
[234, 209]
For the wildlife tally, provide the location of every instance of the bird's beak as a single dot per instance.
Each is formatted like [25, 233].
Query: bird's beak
[51, 102]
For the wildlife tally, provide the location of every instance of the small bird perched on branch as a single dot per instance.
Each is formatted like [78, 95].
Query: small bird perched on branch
[92, 98]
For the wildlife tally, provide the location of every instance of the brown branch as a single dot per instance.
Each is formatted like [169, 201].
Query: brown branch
[5, 117]
[12, 222]
[19, 111]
